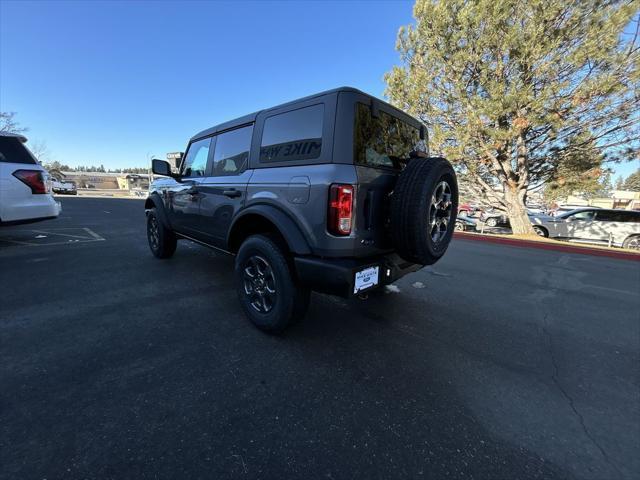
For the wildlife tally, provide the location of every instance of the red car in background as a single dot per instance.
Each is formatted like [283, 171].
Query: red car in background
[467, 210]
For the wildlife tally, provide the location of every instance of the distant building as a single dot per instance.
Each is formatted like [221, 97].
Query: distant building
[106, 181]
[626, 199]
[133, 181]
[622, 199]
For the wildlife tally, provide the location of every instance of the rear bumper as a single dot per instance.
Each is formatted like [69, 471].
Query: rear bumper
[34, 209]
[337, 276]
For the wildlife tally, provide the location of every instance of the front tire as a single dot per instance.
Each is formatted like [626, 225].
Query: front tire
[541, 231]
[492, 222]
[266, 287]
[162, 241]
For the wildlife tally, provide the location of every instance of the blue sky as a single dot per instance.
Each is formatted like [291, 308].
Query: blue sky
[114, 82]
[111, 82]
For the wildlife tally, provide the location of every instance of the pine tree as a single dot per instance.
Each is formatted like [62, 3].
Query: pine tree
[513, 91]
[633, 182]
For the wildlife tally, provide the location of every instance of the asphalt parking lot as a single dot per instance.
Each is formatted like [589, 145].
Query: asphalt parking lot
[497, 362]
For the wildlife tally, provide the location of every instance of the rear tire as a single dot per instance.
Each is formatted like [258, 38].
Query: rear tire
[632, 242]
[492, 222]
[423, 210]
[162, 241]
[266, 287]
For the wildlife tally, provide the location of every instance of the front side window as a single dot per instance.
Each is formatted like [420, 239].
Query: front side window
[294, 135]
[232, 151]
[583, 215]
[195, 162]
[382, 141]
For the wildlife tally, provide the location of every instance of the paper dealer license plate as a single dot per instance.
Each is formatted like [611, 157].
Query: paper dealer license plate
[366, 278]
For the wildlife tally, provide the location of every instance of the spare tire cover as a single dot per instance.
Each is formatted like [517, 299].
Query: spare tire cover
[424, 207]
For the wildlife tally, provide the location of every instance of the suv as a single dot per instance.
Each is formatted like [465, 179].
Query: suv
[25, 186]
[333, 193]
[593, 225]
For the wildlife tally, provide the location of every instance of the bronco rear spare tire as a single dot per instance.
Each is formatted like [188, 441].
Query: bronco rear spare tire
[423, 210]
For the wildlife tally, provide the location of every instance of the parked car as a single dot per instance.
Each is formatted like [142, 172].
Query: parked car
[567, 208]
[593, 225]
[67, 187]
[467, 210]
[465, 224]
[494, 218]
[25, 186]
[333, 193]
[536, 210]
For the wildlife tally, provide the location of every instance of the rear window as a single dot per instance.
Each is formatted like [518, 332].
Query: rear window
[384, 141]
[294, 135]
[13, 150]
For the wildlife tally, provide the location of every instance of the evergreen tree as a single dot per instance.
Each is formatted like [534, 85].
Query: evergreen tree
[632, 182]
[513, 91]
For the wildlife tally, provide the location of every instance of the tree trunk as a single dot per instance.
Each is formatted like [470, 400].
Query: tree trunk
[517, 210]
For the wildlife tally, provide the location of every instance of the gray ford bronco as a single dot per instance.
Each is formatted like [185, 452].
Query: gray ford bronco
[334, 192]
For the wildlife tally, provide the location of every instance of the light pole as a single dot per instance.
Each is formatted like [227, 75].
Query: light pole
[149, 169]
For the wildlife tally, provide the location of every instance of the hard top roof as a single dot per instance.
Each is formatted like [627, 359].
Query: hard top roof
[252, 117]
[19, 136]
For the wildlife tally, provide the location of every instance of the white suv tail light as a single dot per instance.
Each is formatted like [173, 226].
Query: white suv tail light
[34, 179]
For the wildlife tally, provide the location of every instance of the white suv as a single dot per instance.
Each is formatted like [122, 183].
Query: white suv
[25, 186]
[592, 225]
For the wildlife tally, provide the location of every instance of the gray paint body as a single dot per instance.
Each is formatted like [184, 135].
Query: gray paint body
[293, 195]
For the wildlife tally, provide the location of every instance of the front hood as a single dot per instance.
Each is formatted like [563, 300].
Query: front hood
[162, 182]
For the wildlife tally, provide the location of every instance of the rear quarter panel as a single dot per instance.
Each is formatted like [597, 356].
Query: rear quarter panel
[302, 193]
[16, 200]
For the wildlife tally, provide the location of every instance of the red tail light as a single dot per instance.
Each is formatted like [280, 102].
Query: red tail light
[340, 209]
[32, 179]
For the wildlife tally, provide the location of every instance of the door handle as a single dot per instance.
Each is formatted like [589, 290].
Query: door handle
[232, 193]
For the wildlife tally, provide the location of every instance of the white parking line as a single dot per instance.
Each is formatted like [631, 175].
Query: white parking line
[93, 234]
[45, 232]
[610, 289]
[90, 236]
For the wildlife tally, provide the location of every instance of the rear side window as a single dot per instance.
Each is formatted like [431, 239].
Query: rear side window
[295, 135]
[195, 162]
[13, 150]
[232, 151]
[581, 215]
[384, 141]
[618, 216]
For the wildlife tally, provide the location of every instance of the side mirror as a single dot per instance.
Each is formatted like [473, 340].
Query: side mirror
[160, 167]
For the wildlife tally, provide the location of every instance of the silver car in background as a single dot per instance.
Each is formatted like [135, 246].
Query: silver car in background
[620, 228]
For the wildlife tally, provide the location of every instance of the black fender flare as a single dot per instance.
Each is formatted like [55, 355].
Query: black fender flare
[155, 201]
[290, 231]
